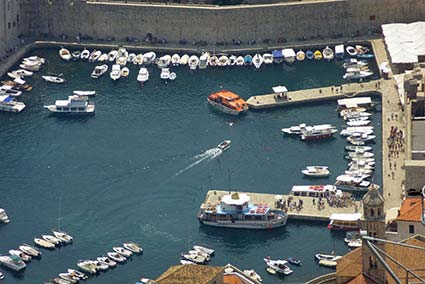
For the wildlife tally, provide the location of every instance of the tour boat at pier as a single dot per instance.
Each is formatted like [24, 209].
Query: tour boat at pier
[344, 221]
[235, 211]
[316, 171]
[10, 104]
[280, 266]
[297, 130]
[228, 102]
[73, 105]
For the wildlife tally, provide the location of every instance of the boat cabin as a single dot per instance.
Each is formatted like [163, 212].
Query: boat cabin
[345, 221]
[73, 104]
[314, 190]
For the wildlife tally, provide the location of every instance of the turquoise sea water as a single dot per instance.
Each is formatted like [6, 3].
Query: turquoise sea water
[136, 170]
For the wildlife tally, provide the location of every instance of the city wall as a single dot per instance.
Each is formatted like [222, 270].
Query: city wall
[293, 20]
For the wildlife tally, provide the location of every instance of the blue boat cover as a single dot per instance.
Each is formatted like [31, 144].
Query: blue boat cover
[8, 99]
[277, 53]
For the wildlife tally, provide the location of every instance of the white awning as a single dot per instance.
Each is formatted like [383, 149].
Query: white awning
[288, 52]
[355, 101]
[235, 198]
[345, 216]
[280, 89]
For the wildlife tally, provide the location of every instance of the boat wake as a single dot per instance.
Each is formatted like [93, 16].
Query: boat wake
[208, 155]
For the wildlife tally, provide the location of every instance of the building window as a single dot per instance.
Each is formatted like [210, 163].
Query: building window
[372, 18]
[372, 213]
[8, 25]
[411, 229]
[17, 18]
[379, 212]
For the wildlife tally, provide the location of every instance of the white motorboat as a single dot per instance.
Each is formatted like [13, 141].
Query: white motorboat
[77, 273]
[107, 261]
[28, 67]
[68, 277]
[357, 75]
[205, 250]
[347, 111]
[149, 57]
[358, 148]
[300, 55]
[131, 57]
[59, 280]
[257, 60]
[73, 105]
[30, 250]
[357, 115]
[355, 243]
[53, 79]
[267, 58]
[240, 61]
[280, 266]
[115, 72]
[122, 251]
[271, 270]
[84, 93]
[254, 275]
[353, 183]
[10, 91]
[3, 216]
[133, 247]
[186, 262]
[165, 74]
[65, 54]
[360, 154]
[20, 254]
[94, 55]
[19, 73]
[328, 53]
[232, 60]
[122, 56]
[316, 171]
[213, 61]
[143, 75]
[359, 129]
[223, 61]
[339, 51]
[112, 55]
[194, 258]
[99, 71]
[175, 59]
[138, 60]
[330, 257]
[10, 104]
[116, 257]
[200, 253]
[358, 171]
[203, 60]
[173, 76]
[101, 266]
[354, 62]
[13, 262]
[224, 145]
[184, 60]
[87, 266]
[351, 50]
[43, 243]
[64, 237]
[103, 57]
[164, 61]
[52, 239]
[85, 54]
[328, 263]
[358, 122]
[289, 55]
[193, 62]
[297, 130]
[125, 72]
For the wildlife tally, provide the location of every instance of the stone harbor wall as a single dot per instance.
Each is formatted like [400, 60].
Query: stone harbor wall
[285, 21]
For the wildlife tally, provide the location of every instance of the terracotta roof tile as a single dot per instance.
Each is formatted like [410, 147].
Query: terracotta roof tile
[361, 279]
[184, 274]
[411, 210]
[351, 264]
[232, 279]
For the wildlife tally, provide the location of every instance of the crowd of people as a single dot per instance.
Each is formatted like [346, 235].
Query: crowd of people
[395, 142]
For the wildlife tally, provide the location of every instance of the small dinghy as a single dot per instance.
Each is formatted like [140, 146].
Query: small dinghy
[165, 74]
[328, 53]
[223, 60]
[164, 61]
[185, 262]
[184, 59]
[51, 239]
[20, 254]
[316, 171]
[125, 72]
[175, 59]
[193, 62]
[122, 251]
[99, 71]
[294, 261]
[149, 58]
[224, 145]
[173, 76]
[115, 72]
[116, 257]
[112, 55]
[64, 237]
[133, 247]
[107, 261]
[257, 60]
[213, 61]
[103, 57]
[81, 94]
[300, 56]
[100, 266]
[271, 270]
[95, 55]
[309, 54]
[205, 250]
[138, 60]
[317, 55]
[77, 273]
[143, 75]
[247, 60]
[43, 243]
[30, 250]
[232, 60]
[85, 54]
[327, 263]
[267, 58]
[254, 275]
[76, 54]
[69, 278]
[87, 266]
[351, 50]
[131, 57]
[53, 79]
[65, 54]
[240, 61]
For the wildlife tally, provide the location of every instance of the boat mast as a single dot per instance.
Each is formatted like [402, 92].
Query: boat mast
[59, 212]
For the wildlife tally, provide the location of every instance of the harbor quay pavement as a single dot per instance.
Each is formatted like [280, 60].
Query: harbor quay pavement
[308, 211]
[312, 95]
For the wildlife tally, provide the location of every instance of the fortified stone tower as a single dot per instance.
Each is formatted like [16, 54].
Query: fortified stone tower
[374, 223]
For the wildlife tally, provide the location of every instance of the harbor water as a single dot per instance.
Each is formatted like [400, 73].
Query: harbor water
[139, 169]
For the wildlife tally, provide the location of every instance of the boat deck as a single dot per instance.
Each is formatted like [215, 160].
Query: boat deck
[315, 94]
[309, 210]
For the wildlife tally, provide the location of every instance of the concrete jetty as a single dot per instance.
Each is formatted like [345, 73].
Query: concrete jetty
[314, 95]
[309, 211]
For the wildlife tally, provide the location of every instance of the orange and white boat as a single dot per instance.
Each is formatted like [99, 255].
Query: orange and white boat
[228, 102]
